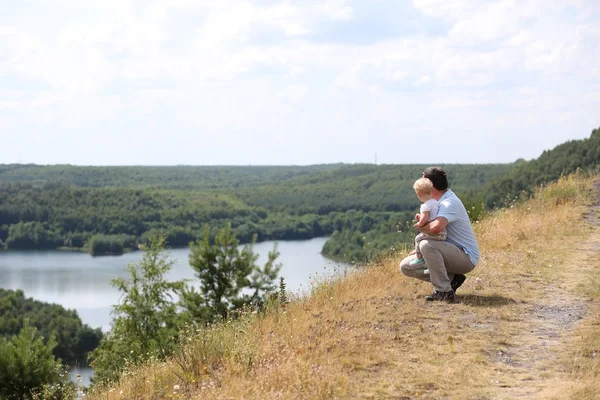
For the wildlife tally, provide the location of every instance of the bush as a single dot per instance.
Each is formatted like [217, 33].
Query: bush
[230, 278]
[110, 244]
[27, 367]
[31, 235]
[475, 207]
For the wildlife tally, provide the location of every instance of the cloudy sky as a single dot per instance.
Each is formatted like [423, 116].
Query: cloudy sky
[122, 82]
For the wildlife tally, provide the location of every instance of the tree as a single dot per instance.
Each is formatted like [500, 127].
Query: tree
[27, 366]
[229, 276]
[145, 321]
[74, 340]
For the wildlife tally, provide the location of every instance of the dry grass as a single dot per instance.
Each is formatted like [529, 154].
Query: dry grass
[371, 335]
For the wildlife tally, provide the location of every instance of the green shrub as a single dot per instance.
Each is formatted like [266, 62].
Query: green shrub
[27, 367]
[110, 244]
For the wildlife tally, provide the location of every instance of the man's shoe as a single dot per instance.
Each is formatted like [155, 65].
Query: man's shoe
[457, 281]
[448, 297]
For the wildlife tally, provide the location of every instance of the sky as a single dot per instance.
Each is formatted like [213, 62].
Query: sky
[286, 82]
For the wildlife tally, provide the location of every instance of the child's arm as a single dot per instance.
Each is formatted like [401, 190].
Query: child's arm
[423, 218]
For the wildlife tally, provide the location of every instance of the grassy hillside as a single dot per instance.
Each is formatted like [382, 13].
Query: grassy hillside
[526, 326]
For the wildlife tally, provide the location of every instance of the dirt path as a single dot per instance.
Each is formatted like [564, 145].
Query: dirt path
[531, 365]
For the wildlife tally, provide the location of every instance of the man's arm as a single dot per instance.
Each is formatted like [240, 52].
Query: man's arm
[434, 227]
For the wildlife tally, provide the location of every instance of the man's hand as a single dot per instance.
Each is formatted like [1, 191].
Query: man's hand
[417, 217]
[412, 253]
[435, 226]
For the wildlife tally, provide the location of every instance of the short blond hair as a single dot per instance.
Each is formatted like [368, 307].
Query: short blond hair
[423, 186]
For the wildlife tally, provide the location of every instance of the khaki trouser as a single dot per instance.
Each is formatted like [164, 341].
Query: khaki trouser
[443, 259]
[443, 235]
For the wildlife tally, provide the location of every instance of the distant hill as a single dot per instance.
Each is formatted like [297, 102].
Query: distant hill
[165, 177]
[564, 159]
[74, 339]
[67, 206]
[109, 209]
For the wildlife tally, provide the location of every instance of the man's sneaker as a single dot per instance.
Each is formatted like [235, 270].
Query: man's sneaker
[417, 261]
[448, 297]
[457, 281]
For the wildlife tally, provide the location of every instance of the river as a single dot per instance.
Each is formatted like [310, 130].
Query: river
[82, 282]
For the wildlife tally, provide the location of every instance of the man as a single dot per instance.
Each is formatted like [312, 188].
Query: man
[445, 262]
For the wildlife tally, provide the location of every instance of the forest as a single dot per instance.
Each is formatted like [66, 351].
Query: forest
[82, 208]
[365, 208]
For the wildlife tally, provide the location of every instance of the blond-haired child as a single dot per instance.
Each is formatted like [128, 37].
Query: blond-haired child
[428, 212]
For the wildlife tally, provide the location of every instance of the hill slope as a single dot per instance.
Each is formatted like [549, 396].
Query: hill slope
[524, 328]
[564, 159]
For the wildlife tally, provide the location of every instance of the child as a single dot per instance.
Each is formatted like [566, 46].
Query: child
[428, 212]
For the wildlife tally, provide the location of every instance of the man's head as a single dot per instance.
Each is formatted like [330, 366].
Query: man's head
[438, 178]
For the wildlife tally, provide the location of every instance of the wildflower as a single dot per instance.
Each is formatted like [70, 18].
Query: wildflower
[176, 387]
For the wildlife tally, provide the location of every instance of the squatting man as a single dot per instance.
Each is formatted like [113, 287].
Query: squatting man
[444, 261]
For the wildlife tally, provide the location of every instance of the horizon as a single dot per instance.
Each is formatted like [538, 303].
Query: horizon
[250, 165]
[284, 82]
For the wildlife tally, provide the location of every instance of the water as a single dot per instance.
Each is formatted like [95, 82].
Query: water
[82, 282]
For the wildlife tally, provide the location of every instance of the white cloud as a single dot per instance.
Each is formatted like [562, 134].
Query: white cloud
[443, 8]
[493, 21]
[337, 10]
[240, 73]
[425, 79]
[293, 92]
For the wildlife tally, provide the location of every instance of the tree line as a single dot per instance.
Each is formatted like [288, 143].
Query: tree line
[109, 210]
[564, 159]
[81, 207]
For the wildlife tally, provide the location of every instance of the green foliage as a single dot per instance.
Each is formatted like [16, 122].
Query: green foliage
[28, 366]
[145, 321]
[30, 235]
[74, 340]
[390, 232]
[229, 277]
[475, 206]
[564, 159]
[177, 177]
[56, 206]
[282, 296]
[110, 244]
